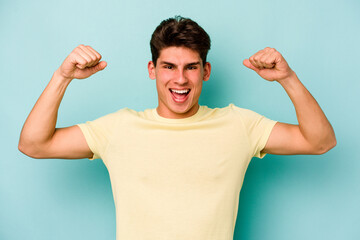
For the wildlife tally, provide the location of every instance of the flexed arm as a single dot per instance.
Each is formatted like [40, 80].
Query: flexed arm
[314, 133]
[39, 137]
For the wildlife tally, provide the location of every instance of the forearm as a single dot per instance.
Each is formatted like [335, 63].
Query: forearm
[313, 123]
[40, 125]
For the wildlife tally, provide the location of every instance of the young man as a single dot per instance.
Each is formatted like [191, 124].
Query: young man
[177, 170]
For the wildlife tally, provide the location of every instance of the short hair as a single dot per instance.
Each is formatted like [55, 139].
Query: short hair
[179, 32]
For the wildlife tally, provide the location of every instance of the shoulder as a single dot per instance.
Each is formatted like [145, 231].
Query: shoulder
[234, 111]
[241, 111]
[247, 117]
[113, 117]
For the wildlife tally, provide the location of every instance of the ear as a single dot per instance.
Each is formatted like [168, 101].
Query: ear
[207, 71]
[151, 69]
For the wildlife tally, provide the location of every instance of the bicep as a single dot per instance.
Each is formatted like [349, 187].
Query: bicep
[68, 143]
[287, 139]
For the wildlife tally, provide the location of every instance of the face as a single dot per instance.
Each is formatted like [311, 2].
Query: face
[179, 75]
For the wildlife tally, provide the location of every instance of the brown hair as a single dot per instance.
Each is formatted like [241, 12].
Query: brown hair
[179, 31]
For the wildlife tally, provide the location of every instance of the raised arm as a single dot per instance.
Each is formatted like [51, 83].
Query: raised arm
[39, 137]
[314, 133]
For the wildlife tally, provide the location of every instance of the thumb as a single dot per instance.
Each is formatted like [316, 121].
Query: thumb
[98, 67]
[248, 64]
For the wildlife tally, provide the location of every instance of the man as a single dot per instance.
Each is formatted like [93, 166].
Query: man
[177, 170]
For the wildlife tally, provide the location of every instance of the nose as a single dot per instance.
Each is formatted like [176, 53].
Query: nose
[181, 79]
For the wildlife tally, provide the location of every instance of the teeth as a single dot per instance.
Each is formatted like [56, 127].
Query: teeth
[180, 91]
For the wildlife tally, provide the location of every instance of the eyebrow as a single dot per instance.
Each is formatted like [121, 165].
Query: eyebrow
[172, 64]
[194, 63]
[167, 63]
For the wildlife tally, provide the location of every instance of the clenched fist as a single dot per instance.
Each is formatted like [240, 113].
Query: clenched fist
[81, 63]
[269, 64]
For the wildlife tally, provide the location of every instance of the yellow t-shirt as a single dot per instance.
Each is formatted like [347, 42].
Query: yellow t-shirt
[177, 178]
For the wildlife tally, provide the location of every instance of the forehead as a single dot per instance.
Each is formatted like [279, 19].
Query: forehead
[178, 55]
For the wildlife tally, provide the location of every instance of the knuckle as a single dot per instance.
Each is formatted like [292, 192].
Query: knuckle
[84, 60]
[92, 57]
[88, 47]
[77, 50]
[81, 61]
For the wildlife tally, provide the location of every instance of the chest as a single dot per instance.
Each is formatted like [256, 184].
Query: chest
[179, 158]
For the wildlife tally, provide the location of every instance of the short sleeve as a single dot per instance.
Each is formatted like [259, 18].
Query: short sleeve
[98, 133]
[258, 128]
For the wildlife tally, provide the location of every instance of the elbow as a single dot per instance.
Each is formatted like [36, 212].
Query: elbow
[22, 147]
[324, 148]
[25, 150]
[28, 149]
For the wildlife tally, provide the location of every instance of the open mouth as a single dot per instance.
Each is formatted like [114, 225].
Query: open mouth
[179, 95]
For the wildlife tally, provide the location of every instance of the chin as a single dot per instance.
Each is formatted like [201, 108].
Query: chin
[184, 110]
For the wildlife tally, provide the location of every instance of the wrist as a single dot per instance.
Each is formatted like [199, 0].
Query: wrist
[289, 79]
[60, 77]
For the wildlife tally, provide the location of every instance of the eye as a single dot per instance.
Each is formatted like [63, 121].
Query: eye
[191, 67]
[168, 67]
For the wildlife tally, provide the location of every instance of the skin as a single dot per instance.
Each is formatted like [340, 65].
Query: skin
[314, 133]
[39, 138]
[177, 68]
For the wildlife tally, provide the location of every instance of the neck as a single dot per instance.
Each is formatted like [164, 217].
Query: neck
[167, 113]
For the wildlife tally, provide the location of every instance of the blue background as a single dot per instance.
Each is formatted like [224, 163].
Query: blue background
[283, 197]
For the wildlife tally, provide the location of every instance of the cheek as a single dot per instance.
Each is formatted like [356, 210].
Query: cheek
[164, 75]
[198, 80]
[161, 85]
[198, 76]
[197, 89]
[161, 81]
